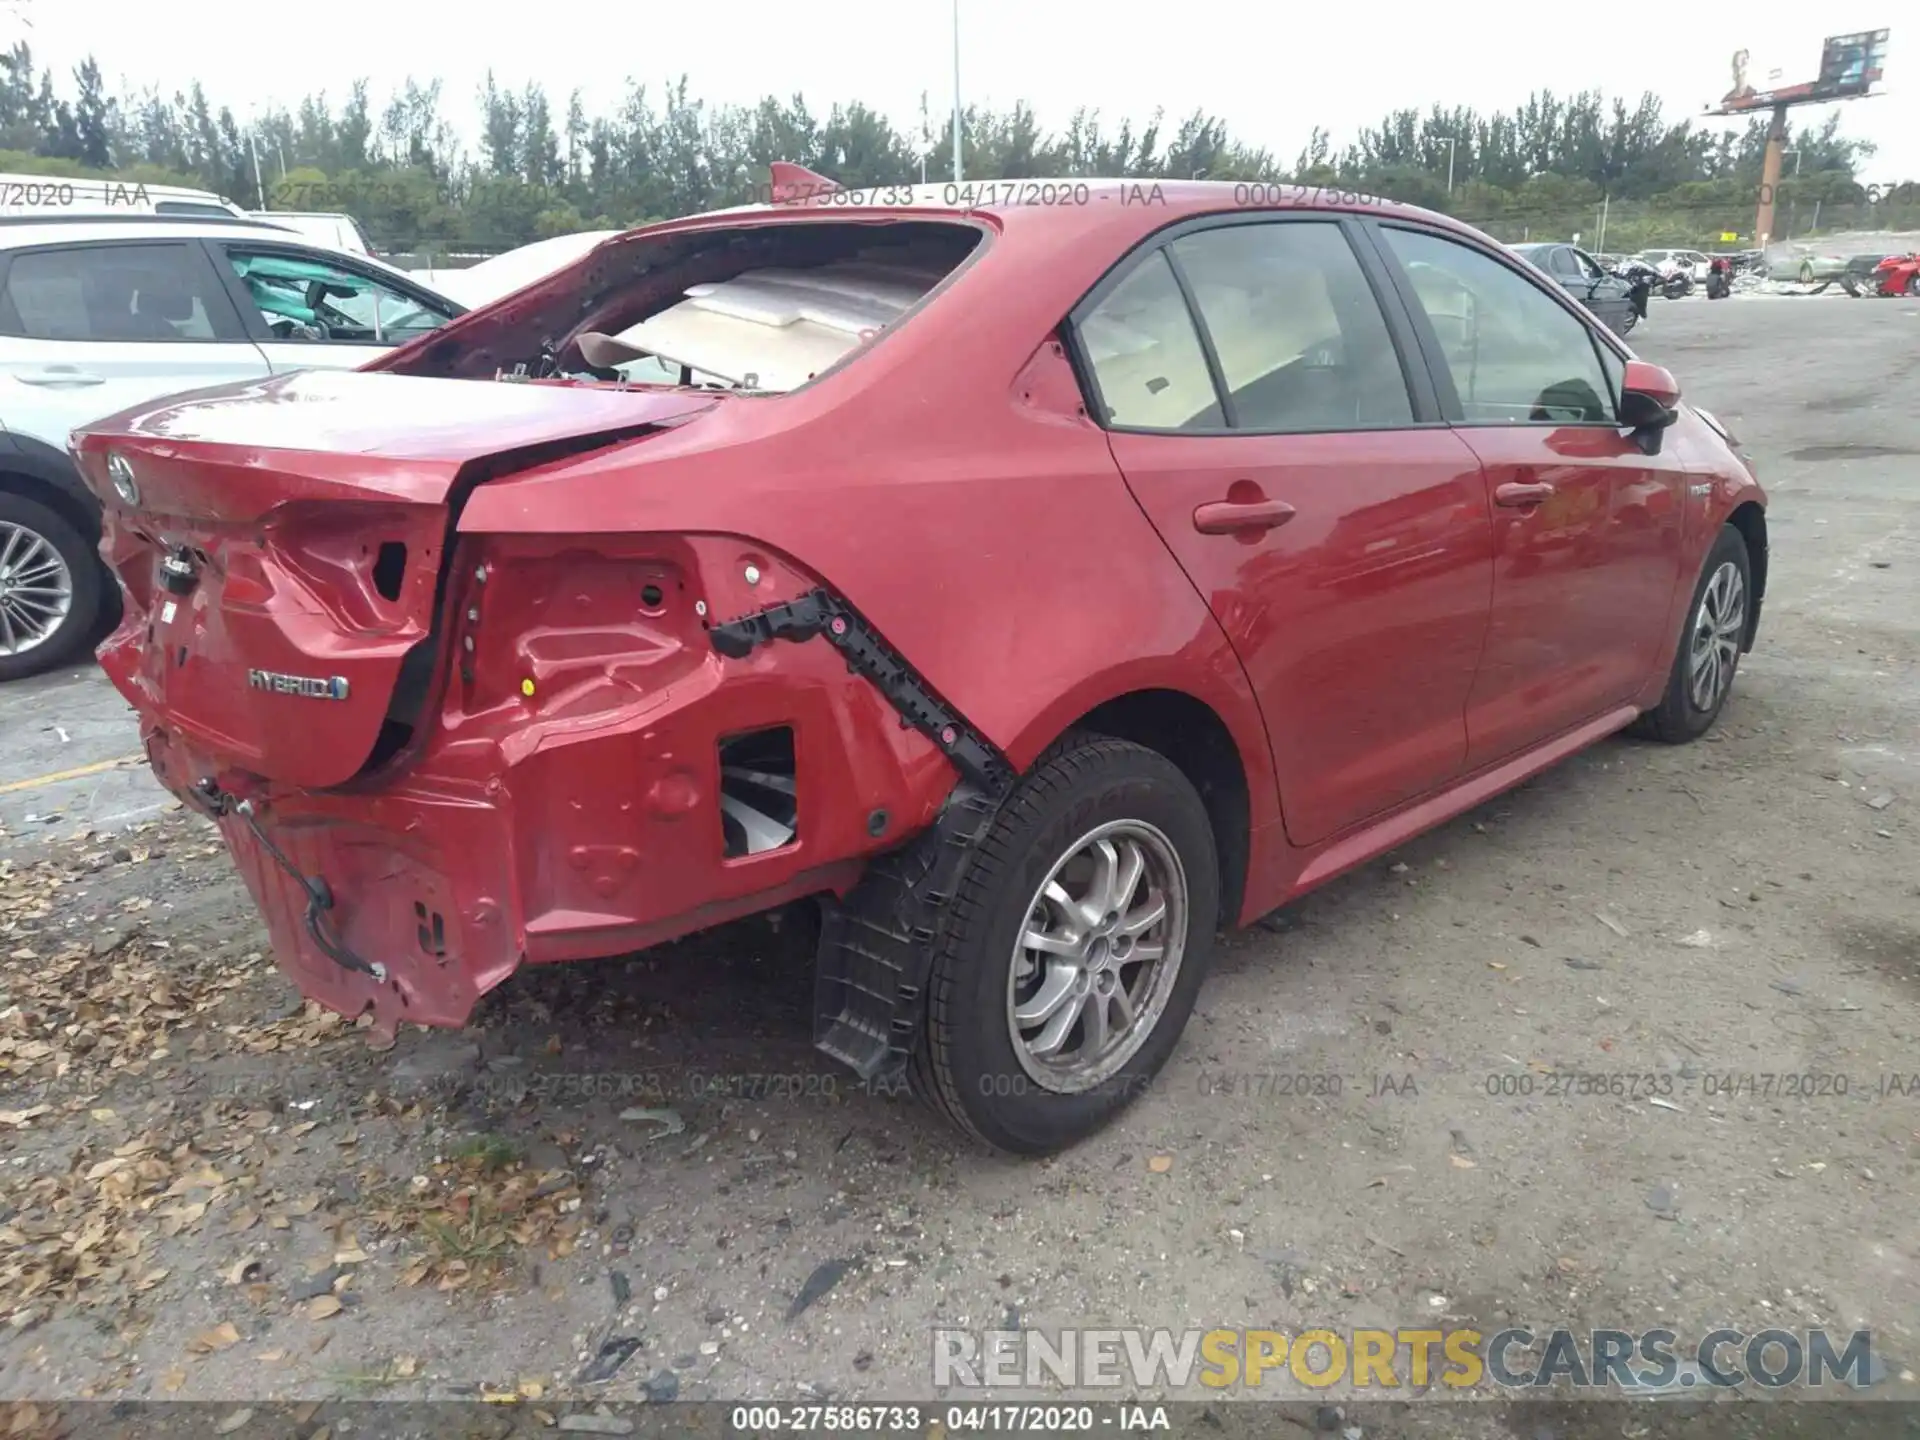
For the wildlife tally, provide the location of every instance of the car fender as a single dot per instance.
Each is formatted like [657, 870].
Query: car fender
[1718, 484]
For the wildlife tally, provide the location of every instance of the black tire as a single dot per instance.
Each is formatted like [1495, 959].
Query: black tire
[89, 583]
[1678, 718]
[966, 1065]
[1806, 272]
[1913, 283]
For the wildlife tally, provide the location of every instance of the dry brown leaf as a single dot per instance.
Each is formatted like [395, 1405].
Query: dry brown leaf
[271, 1357]
[322, 1307]
[1160, 1164]
[244, 1219]
[305, 1205]
[22, 1117]
[1460, 1162]
[406, 1365]
[173, 1380]
[221, 1337]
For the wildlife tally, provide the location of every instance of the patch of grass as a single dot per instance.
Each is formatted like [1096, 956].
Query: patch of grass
[480, 1238]
[361, 1381]
[486, 1152]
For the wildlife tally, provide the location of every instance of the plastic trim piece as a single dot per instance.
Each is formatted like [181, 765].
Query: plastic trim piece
[877, 947]
[977, 759]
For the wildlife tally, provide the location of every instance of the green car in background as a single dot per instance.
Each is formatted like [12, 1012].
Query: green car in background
[1816, 269]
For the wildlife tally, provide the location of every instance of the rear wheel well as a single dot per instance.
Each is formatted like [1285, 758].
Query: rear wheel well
[1751, 521]
[86, 521]
[1197, 741]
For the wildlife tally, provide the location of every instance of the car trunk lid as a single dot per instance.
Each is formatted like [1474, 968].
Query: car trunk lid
[282, 544]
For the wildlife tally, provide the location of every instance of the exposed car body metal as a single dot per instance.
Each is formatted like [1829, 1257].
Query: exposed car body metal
[522, 764]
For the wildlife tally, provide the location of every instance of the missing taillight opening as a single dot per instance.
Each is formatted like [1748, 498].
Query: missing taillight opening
[759, 799]
[389, 569]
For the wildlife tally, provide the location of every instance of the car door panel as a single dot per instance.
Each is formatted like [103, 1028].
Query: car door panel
[1359, 620]
[1605, 294]
[1587, 529]
[70, 314]
[1339, 535]
[1581, 580]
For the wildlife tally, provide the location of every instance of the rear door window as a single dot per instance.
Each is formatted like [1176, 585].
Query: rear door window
[1294, 325]
[146, 292]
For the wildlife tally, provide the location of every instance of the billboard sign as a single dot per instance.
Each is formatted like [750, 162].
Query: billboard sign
[1852, 64]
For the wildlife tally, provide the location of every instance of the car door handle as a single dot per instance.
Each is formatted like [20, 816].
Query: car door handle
[55, 376]
[1226, 517]
[1515, 493]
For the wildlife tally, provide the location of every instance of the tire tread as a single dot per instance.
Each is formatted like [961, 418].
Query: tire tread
[1075, 758]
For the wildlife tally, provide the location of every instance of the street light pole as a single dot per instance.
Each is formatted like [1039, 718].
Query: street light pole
[1451, 142]
[259, 185]
[956, 92]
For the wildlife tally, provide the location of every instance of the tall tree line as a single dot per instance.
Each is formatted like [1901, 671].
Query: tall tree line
[543, 166]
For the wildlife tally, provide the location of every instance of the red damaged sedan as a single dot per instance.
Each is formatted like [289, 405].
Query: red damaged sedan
[1038, 577]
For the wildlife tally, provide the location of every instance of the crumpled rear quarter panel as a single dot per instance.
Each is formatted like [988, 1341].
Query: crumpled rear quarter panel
[583, 819]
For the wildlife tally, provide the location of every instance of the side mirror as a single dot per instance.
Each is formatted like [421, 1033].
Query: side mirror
[1648, 397]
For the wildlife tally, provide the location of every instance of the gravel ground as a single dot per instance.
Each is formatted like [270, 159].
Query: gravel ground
[231, 1198]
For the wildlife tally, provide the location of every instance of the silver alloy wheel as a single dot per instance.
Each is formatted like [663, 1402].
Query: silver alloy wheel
[1718, 625]
[1098, 957]
[36, 588]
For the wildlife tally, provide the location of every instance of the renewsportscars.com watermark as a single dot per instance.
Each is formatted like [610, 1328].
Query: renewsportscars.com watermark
[1454, 1359]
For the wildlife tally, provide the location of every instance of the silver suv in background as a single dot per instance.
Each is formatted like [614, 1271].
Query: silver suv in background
[106, 312]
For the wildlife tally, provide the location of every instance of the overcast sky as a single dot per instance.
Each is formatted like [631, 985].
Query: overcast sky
[1271, 71]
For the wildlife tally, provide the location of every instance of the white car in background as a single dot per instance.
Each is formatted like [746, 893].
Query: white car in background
[71, 197]
[1670, 262]
[333, 230]
[478, 285]
[104, 313]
